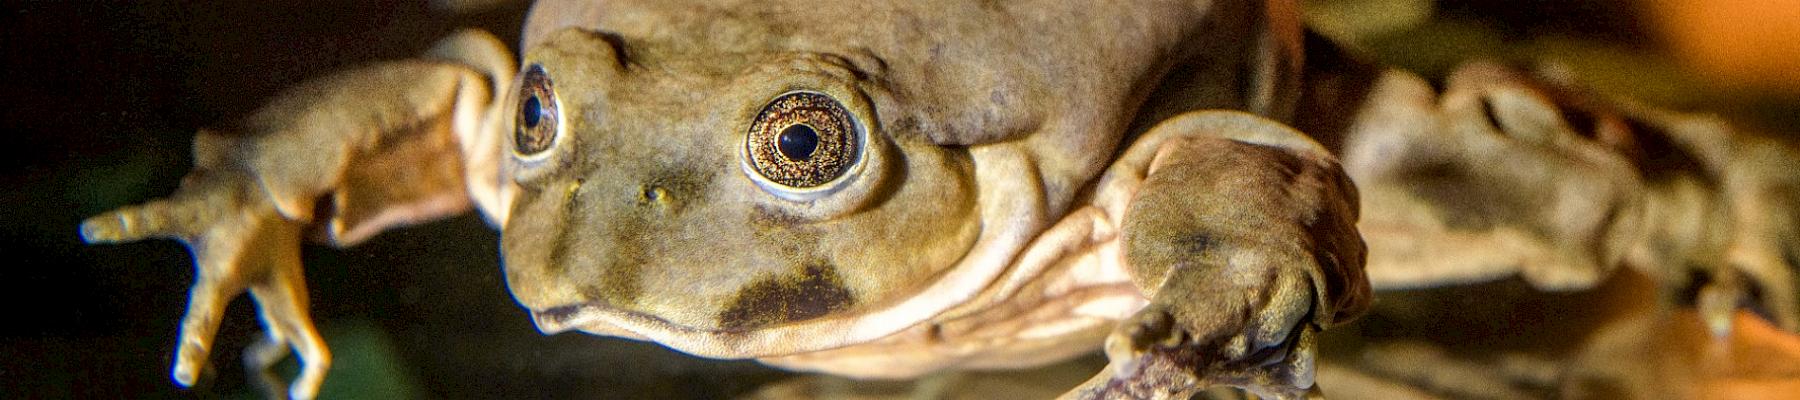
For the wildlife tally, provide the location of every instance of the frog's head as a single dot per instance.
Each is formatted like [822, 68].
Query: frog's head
[713, 192]
[749, 179]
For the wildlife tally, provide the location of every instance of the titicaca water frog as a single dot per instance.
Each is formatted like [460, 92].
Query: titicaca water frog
[889, 188]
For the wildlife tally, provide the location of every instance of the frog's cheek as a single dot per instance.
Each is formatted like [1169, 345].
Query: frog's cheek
[609, 250]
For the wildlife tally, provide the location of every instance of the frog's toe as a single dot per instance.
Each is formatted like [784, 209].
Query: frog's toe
[1155, 356]
[206, 303]
[315, 359]
[1245, 314]
[1153, 327]
[281, 300]
[161, 218]
[1155, 346]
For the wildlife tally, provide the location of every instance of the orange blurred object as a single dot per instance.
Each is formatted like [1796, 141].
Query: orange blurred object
[1736, 42]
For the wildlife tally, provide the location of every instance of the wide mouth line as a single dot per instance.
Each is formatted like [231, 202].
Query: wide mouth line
[587, 314]
[562, 318]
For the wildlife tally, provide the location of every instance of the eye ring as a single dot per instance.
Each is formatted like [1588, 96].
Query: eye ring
[537, 126]
[803, 145]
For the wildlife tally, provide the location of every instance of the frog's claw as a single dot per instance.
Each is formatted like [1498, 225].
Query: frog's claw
[239, 242]
[1154, 357]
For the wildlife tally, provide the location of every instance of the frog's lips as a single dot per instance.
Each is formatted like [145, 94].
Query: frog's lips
[565, 318]
[599, 318]
[590, 316]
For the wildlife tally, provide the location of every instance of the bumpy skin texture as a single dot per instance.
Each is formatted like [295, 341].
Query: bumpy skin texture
[1019, 164]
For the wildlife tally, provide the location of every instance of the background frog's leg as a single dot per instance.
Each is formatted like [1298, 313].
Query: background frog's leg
[1507, 173]
[1724, 220]
[379, 145]
[1763, 187]
[1243, 235]
[1483, 182]
[1720, 204]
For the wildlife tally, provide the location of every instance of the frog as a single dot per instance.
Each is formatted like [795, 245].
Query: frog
[1196, 189]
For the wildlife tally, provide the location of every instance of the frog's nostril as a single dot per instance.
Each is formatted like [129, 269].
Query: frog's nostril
[652, 194]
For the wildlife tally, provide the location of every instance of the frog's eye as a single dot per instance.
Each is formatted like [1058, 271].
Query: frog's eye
[536, 128]
[803, 145]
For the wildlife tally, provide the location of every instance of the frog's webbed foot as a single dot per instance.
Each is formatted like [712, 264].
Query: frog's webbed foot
[342, 157]
[239, 243]
[1243, 236]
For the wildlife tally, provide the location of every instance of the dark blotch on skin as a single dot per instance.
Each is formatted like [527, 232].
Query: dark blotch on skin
[812, 293]
[1197, 243]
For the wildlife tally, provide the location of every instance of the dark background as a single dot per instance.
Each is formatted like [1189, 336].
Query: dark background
[101, 100]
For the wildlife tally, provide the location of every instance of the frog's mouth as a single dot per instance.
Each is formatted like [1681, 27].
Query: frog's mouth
[599, 318]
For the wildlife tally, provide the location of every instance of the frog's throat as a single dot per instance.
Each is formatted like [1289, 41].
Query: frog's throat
[1013, 213]
[1058, 300]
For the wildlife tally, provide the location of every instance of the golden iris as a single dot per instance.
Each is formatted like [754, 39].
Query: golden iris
[802, 140]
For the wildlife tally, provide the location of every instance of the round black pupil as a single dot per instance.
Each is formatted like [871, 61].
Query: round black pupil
[798, 142]
[533, 112]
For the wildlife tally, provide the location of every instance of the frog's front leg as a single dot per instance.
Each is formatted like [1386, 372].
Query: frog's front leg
[349, 154]
[1243, 236]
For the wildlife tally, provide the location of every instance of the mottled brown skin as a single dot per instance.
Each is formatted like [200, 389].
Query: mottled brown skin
[988, 131]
